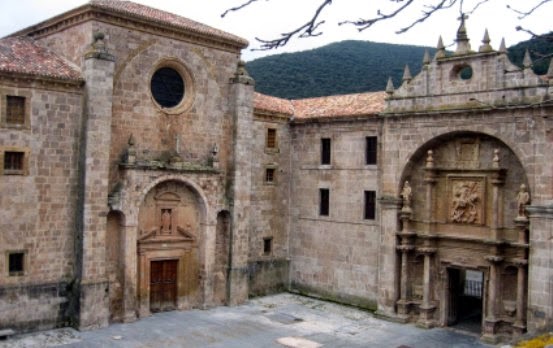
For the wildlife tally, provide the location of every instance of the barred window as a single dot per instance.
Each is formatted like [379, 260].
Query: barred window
[15, 110]
[370, 150]
[270, 175]
[370, 205]
[13, 162]
[271, 138]
[325, 151]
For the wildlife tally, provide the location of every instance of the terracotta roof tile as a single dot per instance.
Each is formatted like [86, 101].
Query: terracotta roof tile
[153, 14]
[340, 105]
[264, 102]
[22, 55]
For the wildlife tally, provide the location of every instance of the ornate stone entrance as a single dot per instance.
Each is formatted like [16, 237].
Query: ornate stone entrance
[168, 244]
[463, 216]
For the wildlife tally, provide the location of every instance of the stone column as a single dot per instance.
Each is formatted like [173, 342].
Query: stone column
[491, 320]
[498, 179]
[406, 236]
[520, 322]
[388, 291]
[427, 308]
[241, 91]
[210, 231]
[98, 69]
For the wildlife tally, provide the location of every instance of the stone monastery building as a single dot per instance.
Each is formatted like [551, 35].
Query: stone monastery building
[140, 172]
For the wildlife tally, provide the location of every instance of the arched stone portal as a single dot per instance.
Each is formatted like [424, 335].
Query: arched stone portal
[463, 244]
[169, 235]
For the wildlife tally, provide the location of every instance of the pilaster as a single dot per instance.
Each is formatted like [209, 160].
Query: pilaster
[98, 69]
[241, 86]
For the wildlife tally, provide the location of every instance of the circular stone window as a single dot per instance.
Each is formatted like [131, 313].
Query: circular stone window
[167, 87]
[462, 71]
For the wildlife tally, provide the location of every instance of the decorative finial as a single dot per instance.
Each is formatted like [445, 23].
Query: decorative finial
[440, 53]
[98, 49]
[241, 75]
[390, 86]
[523, 198]
[426, 58]
[214, 157]
[495, 158]
[502, 46]
[463, 45]
[429, 159]
[407, 74]
[527, 61]
[486, 47]
[131, 141]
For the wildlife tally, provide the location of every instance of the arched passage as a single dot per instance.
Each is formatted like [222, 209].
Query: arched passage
[461, 214]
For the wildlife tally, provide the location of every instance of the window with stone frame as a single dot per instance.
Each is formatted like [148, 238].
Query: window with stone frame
[271, 142]
[370, 205]
[267, 245]
[324, 202]
[15, 110]
[370, 150]
[16, 263]
[325, 150]
[270, 175]
[14, 161]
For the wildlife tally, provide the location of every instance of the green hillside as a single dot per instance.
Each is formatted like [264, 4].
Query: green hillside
[541, 49]
[355, 66]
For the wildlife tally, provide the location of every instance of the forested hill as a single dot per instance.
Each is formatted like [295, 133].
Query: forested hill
[339, 68]
[353, 67]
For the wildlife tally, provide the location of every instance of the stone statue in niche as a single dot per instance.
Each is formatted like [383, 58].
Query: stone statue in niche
[523, 198]
[465, 201]
[166, 221]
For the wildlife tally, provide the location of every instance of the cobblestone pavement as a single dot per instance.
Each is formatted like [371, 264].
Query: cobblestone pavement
[283, 320]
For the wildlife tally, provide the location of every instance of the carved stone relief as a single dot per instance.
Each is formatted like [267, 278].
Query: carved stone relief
[466, 200]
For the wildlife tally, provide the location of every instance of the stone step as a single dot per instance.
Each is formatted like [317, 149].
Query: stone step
[6, 333]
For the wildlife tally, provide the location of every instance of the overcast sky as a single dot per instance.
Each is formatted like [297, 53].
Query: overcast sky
[267, 19]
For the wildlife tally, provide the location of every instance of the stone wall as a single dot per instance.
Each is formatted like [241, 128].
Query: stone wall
[334, 256]
[268, 269]
[38, 209]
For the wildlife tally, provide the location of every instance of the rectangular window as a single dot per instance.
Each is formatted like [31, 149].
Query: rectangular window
[324, 202]
[16, 263]
[370, 205]
[325, 151]
[15, 110]
[370, 151]
[267, 245]
[270, 175]
[271, 138]
[13, 162]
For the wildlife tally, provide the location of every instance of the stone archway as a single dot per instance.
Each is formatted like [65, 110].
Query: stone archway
[460, 214]
[169, 234]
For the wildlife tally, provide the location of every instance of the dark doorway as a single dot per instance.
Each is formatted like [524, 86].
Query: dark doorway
[465, 299]
[163, 285]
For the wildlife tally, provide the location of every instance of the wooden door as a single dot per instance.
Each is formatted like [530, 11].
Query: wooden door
[163, 285]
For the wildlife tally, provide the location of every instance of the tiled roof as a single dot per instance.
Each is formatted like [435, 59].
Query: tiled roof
[22, 56]
[360, 104]
[262, 102]
[167, 18]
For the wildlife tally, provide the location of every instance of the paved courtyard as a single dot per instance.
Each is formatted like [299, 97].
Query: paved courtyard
[278, 321]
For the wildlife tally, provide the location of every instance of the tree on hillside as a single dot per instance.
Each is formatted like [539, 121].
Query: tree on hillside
[316, 19]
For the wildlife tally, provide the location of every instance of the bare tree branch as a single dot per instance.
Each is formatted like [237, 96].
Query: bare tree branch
[426, 14]
[309, 29]
[524, 14]
[239, 7]
[363, 24]
[477, 6]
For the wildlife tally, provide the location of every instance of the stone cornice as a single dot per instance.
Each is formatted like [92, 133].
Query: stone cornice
[90, 12]
[39, 82]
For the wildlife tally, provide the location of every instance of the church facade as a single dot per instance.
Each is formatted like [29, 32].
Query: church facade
[142, 173]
